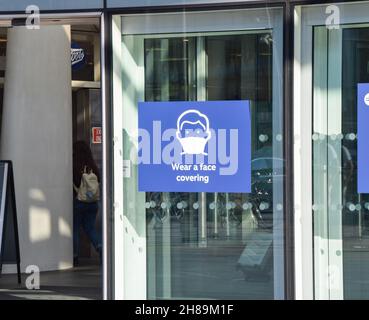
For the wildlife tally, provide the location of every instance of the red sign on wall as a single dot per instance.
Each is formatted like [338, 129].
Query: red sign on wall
[96, 135]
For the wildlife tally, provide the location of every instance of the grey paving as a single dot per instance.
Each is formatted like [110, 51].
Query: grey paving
[81, 283]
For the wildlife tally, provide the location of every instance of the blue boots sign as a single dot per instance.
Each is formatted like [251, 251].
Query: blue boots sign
[78, 57]
[194, 146]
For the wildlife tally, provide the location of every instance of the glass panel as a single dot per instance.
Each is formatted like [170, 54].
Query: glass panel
[355, 69]
[168, 69]
[341, 226]
[208, 245]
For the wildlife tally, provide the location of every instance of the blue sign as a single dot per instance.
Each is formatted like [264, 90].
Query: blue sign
[194, 147]
[78, 56]
[363, 138]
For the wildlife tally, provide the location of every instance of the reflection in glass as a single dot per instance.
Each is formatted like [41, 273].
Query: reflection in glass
[341, 216]
[214, 245]
[355, 215]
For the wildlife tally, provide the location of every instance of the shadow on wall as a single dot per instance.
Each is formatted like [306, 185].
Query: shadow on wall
[43, 225]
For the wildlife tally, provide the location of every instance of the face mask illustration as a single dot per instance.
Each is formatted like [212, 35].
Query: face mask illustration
[193, 132]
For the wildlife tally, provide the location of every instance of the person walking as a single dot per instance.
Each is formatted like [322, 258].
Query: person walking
[86, 191]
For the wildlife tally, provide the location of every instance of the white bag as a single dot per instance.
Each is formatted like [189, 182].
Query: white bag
[89, 190]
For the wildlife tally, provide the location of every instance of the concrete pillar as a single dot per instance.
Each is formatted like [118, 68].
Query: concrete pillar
[37, 136]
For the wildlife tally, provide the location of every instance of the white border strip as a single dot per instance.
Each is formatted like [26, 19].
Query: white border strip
[199, 21]
[53, 15]
[303, 233]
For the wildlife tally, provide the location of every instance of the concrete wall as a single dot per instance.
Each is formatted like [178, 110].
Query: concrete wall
[37, 137]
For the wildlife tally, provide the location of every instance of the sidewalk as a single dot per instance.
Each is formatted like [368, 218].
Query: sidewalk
[81, 283]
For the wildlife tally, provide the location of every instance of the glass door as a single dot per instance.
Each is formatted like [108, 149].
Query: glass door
[201, 245]
[335, 60]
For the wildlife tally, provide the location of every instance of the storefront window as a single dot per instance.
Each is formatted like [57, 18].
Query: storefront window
[334, 65]
[207, 245]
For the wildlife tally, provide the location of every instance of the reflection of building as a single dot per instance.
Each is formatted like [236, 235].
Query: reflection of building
[304, 210]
